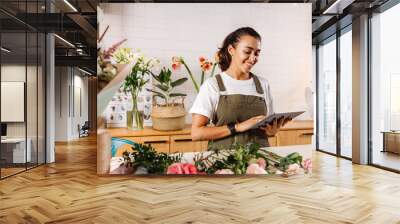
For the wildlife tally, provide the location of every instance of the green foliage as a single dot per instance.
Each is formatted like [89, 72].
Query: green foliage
[166, 86]
[235, 158]
[292, 158]
[123, 55]
[135, 81]
[146, 156]
[238, 157]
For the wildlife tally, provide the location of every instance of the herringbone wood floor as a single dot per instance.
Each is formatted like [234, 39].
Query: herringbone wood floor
[69, 191]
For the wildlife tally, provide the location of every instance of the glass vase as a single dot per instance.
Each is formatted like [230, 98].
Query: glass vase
[134, 117]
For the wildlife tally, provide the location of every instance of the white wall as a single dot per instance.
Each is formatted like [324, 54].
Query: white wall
[67, 80]
[193, 30]
[33, 126]
[12, 73]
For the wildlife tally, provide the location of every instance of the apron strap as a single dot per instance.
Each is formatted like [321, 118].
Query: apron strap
[221, 85]
[258, 84]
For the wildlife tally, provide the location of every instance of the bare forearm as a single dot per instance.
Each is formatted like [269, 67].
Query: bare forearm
[209, 133]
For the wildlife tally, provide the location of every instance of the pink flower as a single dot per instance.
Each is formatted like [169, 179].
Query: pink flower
[176, 63]
[181, 168]
[175, 168]
[261, 162]
[176, 66]
[255, 169]
[307, 165]
[224, 171]
[117, 166]
[293, 169]
[189, 168]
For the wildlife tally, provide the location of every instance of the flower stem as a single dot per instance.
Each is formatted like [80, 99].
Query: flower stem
[135, 110]
[202, 78]
[213, 69]
[191, 76]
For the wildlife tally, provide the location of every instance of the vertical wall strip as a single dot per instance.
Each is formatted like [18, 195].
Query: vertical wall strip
[317, 96]
[73, 91]
[338, 81]
[60, 75]
[69, 91]
[37, 89]
[369, 88]
[26, 86]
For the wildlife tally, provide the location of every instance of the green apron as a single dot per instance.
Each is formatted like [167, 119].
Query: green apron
[238, 108]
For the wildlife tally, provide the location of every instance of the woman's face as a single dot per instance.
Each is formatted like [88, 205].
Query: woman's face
[245, 54]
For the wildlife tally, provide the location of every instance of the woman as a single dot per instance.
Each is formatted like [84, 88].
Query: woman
[236, 99]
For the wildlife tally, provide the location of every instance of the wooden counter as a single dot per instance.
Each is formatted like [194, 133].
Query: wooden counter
[149, 131]
[293, 133]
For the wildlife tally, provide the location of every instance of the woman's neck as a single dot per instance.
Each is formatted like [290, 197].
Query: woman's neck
[237, 74]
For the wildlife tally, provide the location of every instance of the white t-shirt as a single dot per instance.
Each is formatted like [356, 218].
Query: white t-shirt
[207, 100]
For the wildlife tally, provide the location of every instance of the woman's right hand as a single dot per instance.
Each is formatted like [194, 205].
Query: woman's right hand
[247, 124]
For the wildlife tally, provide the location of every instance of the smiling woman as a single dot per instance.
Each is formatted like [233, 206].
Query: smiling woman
[220, 137]
[236, 99]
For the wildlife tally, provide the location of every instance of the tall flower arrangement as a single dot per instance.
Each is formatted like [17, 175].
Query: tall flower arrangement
[134, 83]
[205, 66]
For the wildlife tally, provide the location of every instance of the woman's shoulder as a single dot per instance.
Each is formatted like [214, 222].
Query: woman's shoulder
[210, 84]
[263, 80]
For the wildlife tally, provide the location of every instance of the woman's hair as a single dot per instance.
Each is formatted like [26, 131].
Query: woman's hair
[232, 39]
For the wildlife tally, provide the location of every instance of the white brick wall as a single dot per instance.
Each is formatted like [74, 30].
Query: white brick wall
[192, 30]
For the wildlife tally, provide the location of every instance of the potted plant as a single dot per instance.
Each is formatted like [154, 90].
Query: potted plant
[170, 115]
[133, 84]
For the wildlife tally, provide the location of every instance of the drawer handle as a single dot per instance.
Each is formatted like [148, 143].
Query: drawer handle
[183, 140]
[155, 142]
[307, 133]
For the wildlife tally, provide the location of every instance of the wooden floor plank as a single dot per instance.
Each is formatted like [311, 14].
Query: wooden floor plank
[69, 191]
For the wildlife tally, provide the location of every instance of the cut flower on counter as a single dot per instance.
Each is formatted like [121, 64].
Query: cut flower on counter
[238, 159]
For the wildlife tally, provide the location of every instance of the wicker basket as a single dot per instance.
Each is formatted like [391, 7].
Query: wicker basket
[168, 118]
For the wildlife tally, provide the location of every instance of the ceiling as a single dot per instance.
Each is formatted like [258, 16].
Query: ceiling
[76, 20]
[76, 23]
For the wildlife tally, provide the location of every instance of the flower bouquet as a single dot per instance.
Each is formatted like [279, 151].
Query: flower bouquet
[106, 71]
[250, 159]
[133, 84]
[238, 159]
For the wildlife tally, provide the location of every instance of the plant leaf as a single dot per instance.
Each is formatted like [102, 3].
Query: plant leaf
[178, 82]
[157, 93]
[162, 87]
[176, 94]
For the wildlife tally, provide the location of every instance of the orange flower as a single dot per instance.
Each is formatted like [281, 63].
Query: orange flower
[206, 66]
[202, 59]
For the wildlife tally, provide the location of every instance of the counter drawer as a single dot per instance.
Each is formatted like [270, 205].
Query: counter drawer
[184, 143]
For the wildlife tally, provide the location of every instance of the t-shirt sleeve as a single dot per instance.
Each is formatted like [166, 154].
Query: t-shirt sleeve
[205, 101]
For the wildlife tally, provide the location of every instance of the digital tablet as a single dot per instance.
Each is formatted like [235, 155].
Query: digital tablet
[272, 117]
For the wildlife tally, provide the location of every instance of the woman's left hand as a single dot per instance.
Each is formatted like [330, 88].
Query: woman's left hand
[272, 129]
